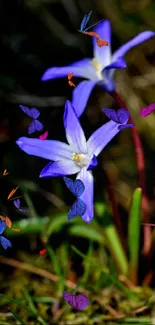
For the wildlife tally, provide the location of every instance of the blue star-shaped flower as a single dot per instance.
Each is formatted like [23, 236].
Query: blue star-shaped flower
[76, 157]
[99, 70]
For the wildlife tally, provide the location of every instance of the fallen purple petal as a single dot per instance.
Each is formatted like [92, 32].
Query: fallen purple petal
[145, 111]
[79, 302]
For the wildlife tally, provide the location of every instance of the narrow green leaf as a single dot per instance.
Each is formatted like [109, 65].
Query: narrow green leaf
[41, 321]
[30, 302]
[56, 267]
[87, 264]
[137, 320]
[86, 231]
[134, 234]
[64, 258]
[113, 242]
[29, 226]
[18, 302]
[45, 300]
[32, 211]
[17, 317]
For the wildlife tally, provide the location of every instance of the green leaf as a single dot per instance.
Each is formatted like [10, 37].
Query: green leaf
[56, 223]
[87, 232]
[29, 226]
[112, 240]
[57, 267]
[134, 234]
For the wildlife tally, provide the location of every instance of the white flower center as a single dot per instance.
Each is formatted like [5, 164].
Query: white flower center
[80, 159]
[98, 68]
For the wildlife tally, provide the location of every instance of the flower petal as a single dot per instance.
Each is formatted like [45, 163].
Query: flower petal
[88, 195]
[74, 132]
[118, 64]
[82, 68]
[111, 113]
[48, 149]
[145, 111]
[103, 54]
[81, 95]
[2, 226]
[93, 163]
[134, 41]
[5, 242]
[123, 115]
[122, 127]
[101, 137]
[108, 82]
[60, 168]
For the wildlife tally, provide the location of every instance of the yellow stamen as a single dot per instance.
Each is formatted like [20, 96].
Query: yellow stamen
[97, 65]
[80, 159]
[77, 157]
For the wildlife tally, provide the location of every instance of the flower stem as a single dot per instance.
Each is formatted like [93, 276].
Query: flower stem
[141, 171]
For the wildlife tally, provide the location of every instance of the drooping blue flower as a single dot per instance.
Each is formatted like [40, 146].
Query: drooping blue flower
[77, 188]
[79, 156]
[4, 242]
[100, 69]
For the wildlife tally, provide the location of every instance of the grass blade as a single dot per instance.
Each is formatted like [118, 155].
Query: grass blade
[17, 317]
[56, 267]
[112, 240]
[134, 235]
[86, 231]
[30, 302]
[131, 295]
[87, 264]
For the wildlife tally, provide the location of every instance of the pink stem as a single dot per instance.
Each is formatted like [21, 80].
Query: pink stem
[141, 171]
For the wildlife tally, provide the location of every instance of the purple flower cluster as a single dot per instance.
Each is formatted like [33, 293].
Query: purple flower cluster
[79, 156]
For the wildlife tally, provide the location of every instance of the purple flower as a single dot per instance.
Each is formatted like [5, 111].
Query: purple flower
[79, 156]
[100, 69]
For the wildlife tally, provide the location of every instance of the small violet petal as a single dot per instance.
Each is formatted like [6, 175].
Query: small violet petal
[111, 113]
[122, 127]
[93, 163]
[145, 111]
[123, 115]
